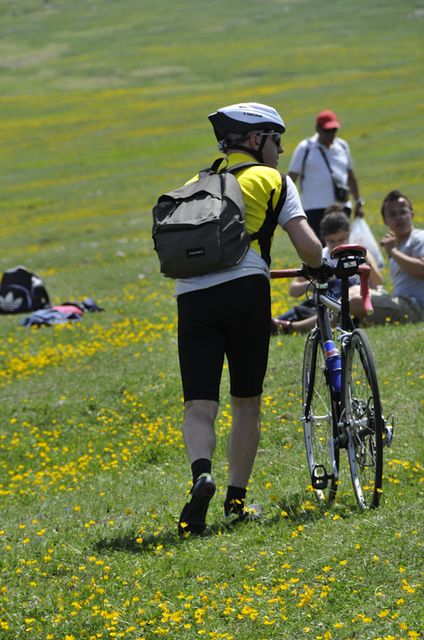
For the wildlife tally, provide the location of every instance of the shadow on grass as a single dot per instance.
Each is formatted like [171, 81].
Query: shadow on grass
[149, 542]
[133, 543]
[301, 515]
[296, 509]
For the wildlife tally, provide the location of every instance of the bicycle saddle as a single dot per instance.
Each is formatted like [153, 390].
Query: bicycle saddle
[345, 250]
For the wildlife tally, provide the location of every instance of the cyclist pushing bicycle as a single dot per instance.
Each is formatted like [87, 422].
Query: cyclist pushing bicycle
[226, 313]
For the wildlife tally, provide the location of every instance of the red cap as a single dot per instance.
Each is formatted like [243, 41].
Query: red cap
[328, 120]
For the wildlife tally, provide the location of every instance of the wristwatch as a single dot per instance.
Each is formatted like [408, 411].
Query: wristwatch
[360, 202]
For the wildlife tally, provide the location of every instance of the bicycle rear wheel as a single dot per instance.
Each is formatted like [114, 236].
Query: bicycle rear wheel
[319, 422]
[364, 421]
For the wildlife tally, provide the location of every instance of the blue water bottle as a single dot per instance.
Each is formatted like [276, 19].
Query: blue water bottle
[333, 363]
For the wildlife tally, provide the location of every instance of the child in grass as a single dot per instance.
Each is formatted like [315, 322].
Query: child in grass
[335, 229]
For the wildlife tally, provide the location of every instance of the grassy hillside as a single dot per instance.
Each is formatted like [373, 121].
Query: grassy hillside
[104, 106]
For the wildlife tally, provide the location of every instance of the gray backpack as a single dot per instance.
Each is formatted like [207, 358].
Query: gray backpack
[200, 227]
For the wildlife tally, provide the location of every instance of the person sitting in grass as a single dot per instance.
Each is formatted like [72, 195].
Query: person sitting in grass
[335, 229]
[404, 246]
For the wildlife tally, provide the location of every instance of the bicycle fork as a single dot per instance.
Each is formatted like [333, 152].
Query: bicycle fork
[320, 475]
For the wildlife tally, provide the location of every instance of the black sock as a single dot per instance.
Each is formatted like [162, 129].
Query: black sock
[202, 465]
[235, 500]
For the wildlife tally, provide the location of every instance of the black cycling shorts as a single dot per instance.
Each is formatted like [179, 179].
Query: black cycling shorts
[232, 319]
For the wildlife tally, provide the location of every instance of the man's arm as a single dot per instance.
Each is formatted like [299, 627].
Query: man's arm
[306, 243]
[413, 266]
[298, 286]
[293, 175]
[354, 190]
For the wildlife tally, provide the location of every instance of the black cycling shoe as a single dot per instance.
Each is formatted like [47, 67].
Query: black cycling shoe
[193, 516]
[236, 511]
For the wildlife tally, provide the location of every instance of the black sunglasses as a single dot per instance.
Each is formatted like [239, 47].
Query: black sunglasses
[275, 136]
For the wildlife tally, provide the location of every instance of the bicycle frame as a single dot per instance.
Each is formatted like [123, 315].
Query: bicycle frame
[353, 419]
[324, 303]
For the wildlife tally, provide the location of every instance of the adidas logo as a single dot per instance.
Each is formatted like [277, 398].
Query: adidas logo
[9, 303]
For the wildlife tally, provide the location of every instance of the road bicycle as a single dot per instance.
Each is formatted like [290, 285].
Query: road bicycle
[340, 395]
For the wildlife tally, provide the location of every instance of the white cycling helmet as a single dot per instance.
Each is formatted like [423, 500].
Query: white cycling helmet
[245, 117]
[241, 119]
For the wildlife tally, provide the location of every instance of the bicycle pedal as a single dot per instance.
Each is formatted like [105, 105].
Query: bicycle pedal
[319, 477]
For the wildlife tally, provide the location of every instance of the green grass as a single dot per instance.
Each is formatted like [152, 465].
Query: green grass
[104, 107]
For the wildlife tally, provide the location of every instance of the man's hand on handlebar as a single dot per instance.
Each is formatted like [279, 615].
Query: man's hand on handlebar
[323, 272]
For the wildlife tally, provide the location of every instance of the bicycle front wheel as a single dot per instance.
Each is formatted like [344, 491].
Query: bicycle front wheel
[319, 422]
[364, 421]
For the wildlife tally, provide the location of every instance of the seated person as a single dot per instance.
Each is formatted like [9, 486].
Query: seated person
[334, 230]
[404, 246]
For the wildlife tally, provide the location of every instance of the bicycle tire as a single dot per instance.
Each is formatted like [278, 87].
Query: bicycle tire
[364, 421]
[319, 422]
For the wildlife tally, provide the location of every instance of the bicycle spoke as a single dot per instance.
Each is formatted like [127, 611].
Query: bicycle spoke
[364, 421]
[319, 423]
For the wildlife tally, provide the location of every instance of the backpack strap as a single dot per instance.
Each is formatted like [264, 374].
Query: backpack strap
[302, 169]
[44, 296]
[337, 195]
[244, 165]
[265, 233]
[212, 169]
[217, 163]
[322, 152]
